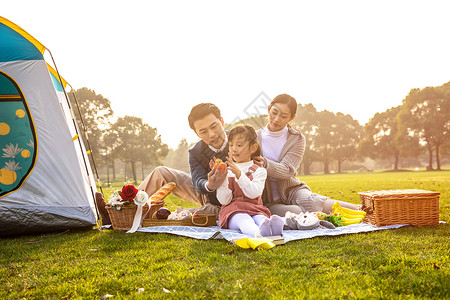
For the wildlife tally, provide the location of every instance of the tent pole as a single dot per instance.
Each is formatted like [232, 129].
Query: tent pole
[77, 131]
[86, 137]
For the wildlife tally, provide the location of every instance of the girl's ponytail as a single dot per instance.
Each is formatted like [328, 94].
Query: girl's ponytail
[257, 152]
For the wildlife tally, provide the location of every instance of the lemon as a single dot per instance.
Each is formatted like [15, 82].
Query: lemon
[4, 129]
[7, 177]
[25, 153]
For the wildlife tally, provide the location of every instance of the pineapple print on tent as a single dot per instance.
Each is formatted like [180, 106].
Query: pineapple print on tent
[18, 142]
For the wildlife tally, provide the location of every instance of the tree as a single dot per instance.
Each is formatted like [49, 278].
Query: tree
[336, 138]
[94, 115]
[384, 138]
[110, 142]
[426, 113]
[306, 121]
[346, 139]
[325, 138]
[178, 158]
[137, 142]
[153, 151]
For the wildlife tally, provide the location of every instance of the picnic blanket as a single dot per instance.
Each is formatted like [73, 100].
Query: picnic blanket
[215, 232]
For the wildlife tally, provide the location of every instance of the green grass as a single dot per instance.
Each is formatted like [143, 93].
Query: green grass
[405, 263]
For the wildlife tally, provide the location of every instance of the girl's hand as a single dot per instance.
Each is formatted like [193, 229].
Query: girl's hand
[232, 167]
[259, 160]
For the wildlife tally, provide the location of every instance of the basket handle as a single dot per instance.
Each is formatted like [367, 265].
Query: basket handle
[146, 213]
[153, 216]
[198, 212]
[367, 209]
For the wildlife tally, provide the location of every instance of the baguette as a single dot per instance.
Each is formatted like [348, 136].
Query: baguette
[163, 192]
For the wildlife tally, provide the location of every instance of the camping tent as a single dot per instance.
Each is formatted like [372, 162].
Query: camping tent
[46, 182]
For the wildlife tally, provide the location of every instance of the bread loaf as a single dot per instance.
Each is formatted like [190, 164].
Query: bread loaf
[163, 192]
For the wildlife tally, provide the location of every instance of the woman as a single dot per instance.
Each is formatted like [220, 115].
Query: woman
[282, 152]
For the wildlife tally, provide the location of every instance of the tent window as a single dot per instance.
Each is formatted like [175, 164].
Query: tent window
[18, 142]
[7, 88]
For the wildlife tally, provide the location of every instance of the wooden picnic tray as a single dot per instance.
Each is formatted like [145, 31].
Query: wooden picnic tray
[200, 219]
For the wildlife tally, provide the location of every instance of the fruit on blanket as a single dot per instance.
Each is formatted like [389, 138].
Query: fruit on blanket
[320, 215]
[162, 213]
[347, 211]
[348, 216]
[349, 221]
[163, 192]
[218, 163]
[353, 217]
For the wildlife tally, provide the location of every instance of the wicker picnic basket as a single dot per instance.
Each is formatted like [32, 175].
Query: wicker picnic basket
[123, 219]
[390, 207]
[199, 218]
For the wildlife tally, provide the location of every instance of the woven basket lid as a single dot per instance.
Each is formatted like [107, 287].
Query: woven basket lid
[399, 193]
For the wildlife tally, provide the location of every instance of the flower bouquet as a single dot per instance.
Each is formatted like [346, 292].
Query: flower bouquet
[127, 208]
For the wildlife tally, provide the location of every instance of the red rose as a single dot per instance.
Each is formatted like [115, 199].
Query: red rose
[129, 192]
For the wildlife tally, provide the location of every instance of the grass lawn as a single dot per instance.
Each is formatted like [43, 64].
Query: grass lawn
[405, 263]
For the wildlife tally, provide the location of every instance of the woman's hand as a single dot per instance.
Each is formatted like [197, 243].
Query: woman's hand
[259, 160]
[232, 167]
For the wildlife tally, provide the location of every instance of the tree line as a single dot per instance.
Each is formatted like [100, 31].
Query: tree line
[329, 136]
[127, 139]
[420, 124]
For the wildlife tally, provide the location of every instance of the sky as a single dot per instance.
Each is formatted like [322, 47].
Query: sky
[157, 59]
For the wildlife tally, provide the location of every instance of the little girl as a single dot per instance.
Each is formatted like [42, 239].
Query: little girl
[240, 193]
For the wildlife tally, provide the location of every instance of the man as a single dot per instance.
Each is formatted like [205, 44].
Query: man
[200, 185]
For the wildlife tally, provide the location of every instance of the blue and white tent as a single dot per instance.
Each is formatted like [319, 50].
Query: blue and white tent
[46, 182]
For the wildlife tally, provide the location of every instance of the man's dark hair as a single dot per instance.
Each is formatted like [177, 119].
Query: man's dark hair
[200, 111]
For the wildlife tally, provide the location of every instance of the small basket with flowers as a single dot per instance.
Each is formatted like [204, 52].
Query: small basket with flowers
[128, 207]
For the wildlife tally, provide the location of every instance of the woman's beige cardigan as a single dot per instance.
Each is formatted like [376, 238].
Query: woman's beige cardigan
[285, 169]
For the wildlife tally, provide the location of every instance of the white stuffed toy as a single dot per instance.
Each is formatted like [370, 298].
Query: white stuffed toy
[305, 221]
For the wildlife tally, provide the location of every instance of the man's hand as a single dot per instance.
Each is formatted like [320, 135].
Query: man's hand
[259, 160]
[216, 176]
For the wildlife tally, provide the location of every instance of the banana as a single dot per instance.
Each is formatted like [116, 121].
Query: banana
[347, 211]
[349, 216]
[353, 212]
[346, 218]
[353, 217]
[346, 221]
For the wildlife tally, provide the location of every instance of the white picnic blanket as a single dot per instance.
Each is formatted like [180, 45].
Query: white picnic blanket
[215, 232]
